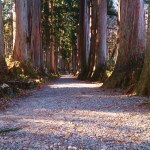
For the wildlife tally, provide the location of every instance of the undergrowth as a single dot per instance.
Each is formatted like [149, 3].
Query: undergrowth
[20, 76]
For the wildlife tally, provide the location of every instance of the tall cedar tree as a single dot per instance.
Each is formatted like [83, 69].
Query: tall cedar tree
[131, 45]
[143, 87]
[20, 31]
[99, 45]
[26, 32]
[84, 34]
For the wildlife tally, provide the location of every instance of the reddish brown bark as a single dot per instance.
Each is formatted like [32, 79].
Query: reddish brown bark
[143, 86]
[93, 39]
[26, 28]
[84, 41]
[131, 45]
[35, 32]
[100, 45]
[20, 29]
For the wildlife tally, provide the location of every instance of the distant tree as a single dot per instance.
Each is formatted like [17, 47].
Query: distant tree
[93, 39]
[84, 37]
[100, 33]
[59, 34]
[46, 25]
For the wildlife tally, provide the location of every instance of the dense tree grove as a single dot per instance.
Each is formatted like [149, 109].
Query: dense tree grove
[59, 28]
[96, 40]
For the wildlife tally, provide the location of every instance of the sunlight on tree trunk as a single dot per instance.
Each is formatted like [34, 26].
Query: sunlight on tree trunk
[131, 45]
[34, 7]
[143, 86]
[21, 35]
[100, 46]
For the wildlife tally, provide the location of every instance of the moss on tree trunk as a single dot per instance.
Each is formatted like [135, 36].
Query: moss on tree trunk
[122, 79]
[143, 87]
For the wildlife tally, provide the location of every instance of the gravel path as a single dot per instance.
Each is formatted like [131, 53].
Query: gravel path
[71, 115]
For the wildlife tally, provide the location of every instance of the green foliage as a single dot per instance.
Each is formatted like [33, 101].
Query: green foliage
[21, 71]
[8, 23]
[10, 130]
[110, 64]
[23, 77]
[61, 22]
[14, 67]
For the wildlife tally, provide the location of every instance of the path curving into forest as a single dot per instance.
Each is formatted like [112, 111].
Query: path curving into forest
[71, 114]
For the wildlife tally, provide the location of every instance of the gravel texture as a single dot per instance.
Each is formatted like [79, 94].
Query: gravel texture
[68, 114]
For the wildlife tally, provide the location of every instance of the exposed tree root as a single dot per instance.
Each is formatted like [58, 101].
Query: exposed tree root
[124, 80]
[143, 87]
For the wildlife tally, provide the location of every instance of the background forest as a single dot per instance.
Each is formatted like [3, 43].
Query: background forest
[96, 40]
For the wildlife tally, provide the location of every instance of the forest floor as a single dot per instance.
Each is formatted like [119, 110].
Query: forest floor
[71, 114]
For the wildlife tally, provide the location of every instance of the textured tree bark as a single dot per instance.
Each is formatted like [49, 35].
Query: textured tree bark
[21, 34]
[84, 37]
[143, 86]
[2, 55]
[131, 45]
[26, 28]
[93, 39]
[52, 54]
[46, 33]
[35, 32]
[87, 30]
[100, 46]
